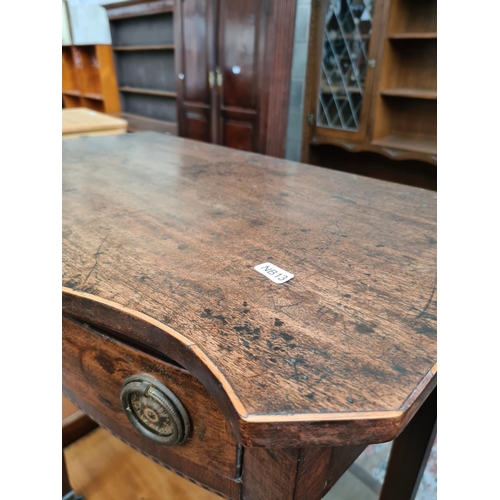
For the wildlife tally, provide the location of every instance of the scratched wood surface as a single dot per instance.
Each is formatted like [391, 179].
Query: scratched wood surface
[94, 368]
[173, 228]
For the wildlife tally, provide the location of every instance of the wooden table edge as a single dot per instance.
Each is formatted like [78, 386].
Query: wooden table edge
[287, 430]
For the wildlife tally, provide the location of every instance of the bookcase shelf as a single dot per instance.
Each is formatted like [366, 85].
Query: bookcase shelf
[413, 36]
[415, 144]
[406, 109]
[410, 93]
[88, 78]
[135, 48]
[143, 44]
[94, 96]
[160, 93]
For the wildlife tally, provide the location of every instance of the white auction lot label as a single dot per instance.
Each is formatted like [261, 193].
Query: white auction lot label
[274, 273]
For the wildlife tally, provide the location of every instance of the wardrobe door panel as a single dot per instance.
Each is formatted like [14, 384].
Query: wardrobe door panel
[194, 60]
[233, 61]
[241, 41]
[239, 135]
[197, 123]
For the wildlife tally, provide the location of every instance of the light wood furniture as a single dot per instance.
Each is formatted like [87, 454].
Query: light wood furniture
[88, 78]
[102, 467]
[78, 122]
[75, 424]
[383, 99]
[174, 342]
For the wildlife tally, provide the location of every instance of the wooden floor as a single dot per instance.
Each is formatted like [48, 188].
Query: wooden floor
[68, 408]
[101, 467]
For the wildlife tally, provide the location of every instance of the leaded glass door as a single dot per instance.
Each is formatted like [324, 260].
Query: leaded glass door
[346, 58]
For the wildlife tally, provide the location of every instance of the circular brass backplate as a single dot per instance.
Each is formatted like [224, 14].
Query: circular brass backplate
[154, 410]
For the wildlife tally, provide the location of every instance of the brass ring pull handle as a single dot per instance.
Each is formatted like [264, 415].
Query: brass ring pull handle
[154, 410]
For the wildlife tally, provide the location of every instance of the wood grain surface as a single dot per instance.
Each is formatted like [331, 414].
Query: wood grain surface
[94, 368]
[165, 232]
[301, 474]
[75, 423]
[78, 120]
[249, 46]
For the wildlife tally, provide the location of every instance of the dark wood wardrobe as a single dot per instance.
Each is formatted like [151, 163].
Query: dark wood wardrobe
[233, 62]
[221, 75]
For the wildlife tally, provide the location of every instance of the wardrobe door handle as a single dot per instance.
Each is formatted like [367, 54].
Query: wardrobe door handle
[219, 77]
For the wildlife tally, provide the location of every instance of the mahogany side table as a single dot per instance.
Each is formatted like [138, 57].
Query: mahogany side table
[251, 384]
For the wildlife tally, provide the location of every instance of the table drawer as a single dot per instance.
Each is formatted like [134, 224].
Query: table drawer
[95, 367]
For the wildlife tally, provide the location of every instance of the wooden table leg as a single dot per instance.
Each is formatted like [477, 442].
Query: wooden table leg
[294, 474]
[410, 452]
[75, 423]
[67, 490]
[75, 427]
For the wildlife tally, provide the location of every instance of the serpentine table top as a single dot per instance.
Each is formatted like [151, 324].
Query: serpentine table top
[161, 236]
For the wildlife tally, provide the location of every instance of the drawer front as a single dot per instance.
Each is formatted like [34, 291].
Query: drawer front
[95, 367]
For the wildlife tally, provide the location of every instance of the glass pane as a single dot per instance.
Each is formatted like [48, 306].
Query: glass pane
[347, 30]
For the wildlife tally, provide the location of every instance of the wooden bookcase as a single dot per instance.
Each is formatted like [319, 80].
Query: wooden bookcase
[142, 34]
[405, 107]
[394, 95]
[88, 78]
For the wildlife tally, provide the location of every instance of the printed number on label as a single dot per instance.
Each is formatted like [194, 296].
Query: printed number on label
[274, 273]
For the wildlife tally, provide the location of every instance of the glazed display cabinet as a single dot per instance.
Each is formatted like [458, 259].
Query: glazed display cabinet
[371, 78]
